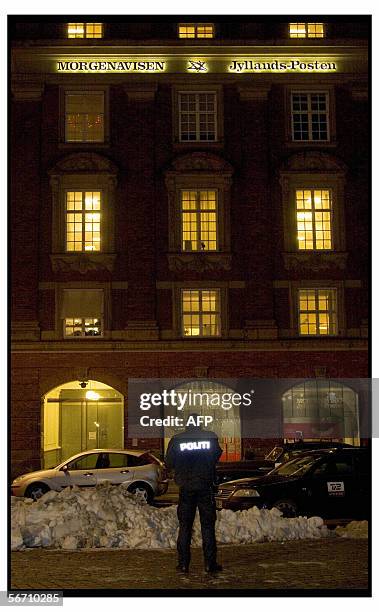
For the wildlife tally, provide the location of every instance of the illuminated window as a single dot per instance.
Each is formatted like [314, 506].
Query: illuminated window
[82, 327]
[313, 214]
[196, 30]
[317, 312]
[306, 30]
[82, 312]
[83, 212]
[310, 116]
[84, 116]
[199, 220]
[197, 117]
[84, 30]
[201, 312]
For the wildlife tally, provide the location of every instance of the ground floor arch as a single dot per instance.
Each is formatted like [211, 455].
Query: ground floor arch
[79, 416]
[226, 420]
[321, 409]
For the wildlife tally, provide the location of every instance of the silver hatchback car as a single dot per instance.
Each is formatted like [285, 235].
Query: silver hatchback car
[145, 474]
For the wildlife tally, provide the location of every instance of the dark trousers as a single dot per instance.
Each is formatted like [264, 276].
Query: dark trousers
[188, 502]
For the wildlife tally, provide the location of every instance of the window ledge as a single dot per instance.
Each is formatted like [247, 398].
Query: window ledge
[199, 262]
[316, 260]
[198, 144]
[72, 146]
[82, 262]
[317, 144]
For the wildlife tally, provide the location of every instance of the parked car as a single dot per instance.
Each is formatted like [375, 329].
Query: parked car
[331, 483]
[145, 473]
[278, 455]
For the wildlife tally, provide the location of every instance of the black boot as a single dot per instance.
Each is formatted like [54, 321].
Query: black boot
[183, 569]
[213, 569]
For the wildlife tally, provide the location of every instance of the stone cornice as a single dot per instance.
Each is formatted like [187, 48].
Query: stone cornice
[315, 260]
[83, 262]
[199, 262]
[84, 162]
[104, 346]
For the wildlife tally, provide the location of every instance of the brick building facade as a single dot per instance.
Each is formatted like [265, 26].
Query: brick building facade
[150, 128]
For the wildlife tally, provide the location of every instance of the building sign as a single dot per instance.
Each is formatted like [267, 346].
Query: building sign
[242, 63]
[295, 65]
[195, 65]
[103, 65]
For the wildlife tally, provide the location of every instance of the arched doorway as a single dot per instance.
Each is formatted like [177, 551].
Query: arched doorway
[226, 422]
[78, 418]
[321, 410]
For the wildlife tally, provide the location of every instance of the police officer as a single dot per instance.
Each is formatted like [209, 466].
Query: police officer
[193, 455]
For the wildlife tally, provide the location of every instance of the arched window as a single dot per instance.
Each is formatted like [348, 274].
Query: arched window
[77, 418]
[321, 410]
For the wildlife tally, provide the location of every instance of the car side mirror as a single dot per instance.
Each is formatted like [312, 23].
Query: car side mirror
[65, 468]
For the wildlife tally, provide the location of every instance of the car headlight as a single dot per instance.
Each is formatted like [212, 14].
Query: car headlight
[246, 493]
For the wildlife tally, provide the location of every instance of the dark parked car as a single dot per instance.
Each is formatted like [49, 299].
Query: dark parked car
[279, 454]
[331, 483]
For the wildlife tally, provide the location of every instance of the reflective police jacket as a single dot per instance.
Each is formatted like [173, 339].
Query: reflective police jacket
[193, 455]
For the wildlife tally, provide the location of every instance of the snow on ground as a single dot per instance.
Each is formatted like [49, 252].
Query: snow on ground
[110, 517]
[355, 529]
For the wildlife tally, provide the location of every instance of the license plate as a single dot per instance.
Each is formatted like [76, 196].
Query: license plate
[219, 504]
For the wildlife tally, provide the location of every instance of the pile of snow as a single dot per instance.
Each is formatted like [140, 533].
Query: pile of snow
[355, 529]
[110, 517]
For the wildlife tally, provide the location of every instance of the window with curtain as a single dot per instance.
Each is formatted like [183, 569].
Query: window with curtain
[84, 116]
[201, 312]
[317, 312]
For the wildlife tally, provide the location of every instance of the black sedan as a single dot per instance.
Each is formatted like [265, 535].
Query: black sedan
[232, 470]
[331, 483]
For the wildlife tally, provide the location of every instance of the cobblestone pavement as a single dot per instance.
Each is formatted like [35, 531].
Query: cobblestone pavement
[316, 564]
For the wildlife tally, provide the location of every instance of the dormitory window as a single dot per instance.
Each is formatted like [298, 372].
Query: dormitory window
[313, 214]
[197, 116]
[196, 30]
[201, 312]
[306, 30]
[310, 116]
[83, 212]
[84, 30]
[82, 313]
[84, 116]
[199, 220]
[317, 312]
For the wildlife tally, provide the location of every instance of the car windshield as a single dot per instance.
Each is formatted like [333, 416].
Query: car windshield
[274, 453]
[297, 466]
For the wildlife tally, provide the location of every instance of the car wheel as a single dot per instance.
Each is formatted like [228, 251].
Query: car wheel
[287, 507]
[36, 490]
[142, 491]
